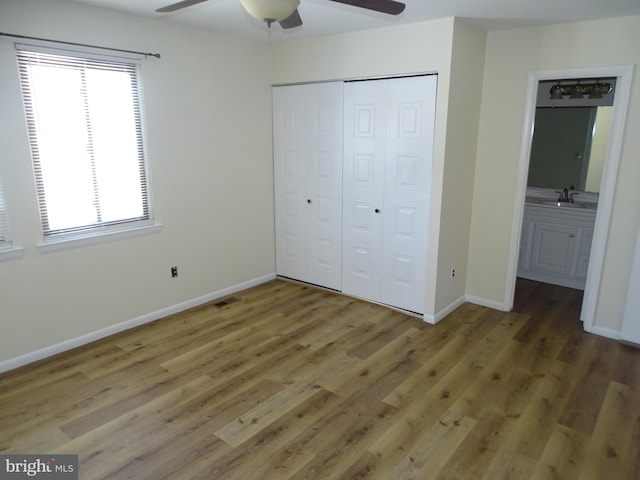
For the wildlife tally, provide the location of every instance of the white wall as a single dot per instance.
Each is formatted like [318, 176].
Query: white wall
[510, 56]
[467, 63]
[208, 117]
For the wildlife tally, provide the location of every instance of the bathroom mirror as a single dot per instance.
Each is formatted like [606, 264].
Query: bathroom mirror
[569, 140]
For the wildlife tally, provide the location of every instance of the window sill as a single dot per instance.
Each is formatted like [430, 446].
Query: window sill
[56, 244]
[11, 253]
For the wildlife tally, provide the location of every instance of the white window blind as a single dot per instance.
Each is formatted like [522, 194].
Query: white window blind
[86, 136]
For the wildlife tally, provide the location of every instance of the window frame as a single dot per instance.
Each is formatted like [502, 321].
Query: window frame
[8, 250]
[99, 231]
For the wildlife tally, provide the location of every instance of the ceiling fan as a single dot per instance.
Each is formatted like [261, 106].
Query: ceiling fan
[286, 13]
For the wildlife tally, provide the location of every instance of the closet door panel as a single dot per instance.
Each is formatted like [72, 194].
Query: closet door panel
[363, 178]
[409, 148]
[290, 173]
[307, 133]
[325, 177]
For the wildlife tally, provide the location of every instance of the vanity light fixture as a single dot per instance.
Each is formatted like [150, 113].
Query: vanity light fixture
[556, 92]
[600, 89]
[579, 90]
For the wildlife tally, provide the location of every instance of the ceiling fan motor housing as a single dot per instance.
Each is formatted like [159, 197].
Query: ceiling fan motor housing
[271, 10]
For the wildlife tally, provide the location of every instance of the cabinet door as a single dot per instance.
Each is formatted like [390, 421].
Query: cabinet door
[307, 135]
[524, 257]
[554, 248]
[582, 265]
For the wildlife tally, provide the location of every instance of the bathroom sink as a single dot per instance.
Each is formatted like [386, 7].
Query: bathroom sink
[555, 203]
[531, 200]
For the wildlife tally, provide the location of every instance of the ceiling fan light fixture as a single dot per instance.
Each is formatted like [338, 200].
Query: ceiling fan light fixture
[270, 10]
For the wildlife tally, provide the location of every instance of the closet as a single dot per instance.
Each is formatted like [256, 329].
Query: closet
[352, 163]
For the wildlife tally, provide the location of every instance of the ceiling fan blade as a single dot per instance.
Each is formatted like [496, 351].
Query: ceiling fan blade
[177, 6]
[384, 6]
[292, 20]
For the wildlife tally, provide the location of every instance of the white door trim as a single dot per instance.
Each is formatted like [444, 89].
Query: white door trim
[624, 74]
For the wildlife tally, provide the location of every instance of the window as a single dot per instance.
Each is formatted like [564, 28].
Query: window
[85, 132]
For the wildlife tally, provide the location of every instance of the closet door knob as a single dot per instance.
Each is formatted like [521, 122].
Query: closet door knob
[308, 200]
[377, 210]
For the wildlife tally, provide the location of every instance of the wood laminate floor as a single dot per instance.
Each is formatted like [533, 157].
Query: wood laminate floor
[287, 381]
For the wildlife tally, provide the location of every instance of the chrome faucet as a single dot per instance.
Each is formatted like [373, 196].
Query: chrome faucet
[565, 196]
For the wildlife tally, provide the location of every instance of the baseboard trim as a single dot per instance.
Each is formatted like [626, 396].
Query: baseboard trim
[606, 332]
[439, 315]
[601, 331]
[483, 302]
[65, 345]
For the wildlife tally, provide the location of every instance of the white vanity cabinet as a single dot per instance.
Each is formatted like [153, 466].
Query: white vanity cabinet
[555, 244]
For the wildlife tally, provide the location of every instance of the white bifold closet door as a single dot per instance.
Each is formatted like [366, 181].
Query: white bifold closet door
[307, 135]
[388, 148]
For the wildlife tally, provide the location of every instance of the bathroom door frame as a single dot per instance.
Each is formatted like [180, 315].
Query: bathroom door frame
[624, 77]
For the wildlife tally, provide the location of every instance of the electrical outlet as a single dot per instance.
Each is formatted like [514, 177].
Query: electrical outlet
[174, 272]
[453, 272]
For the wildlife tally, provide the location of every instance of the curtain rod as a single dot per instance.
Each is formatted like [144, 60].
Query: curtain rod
[2, 34]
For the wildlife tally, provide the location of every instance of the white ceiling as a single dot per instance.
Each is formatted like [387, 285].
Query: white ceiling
[324, 17]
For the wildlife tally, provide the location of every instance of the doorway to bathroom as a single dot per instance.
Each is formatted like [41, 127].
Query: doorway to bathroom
[580, 235]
